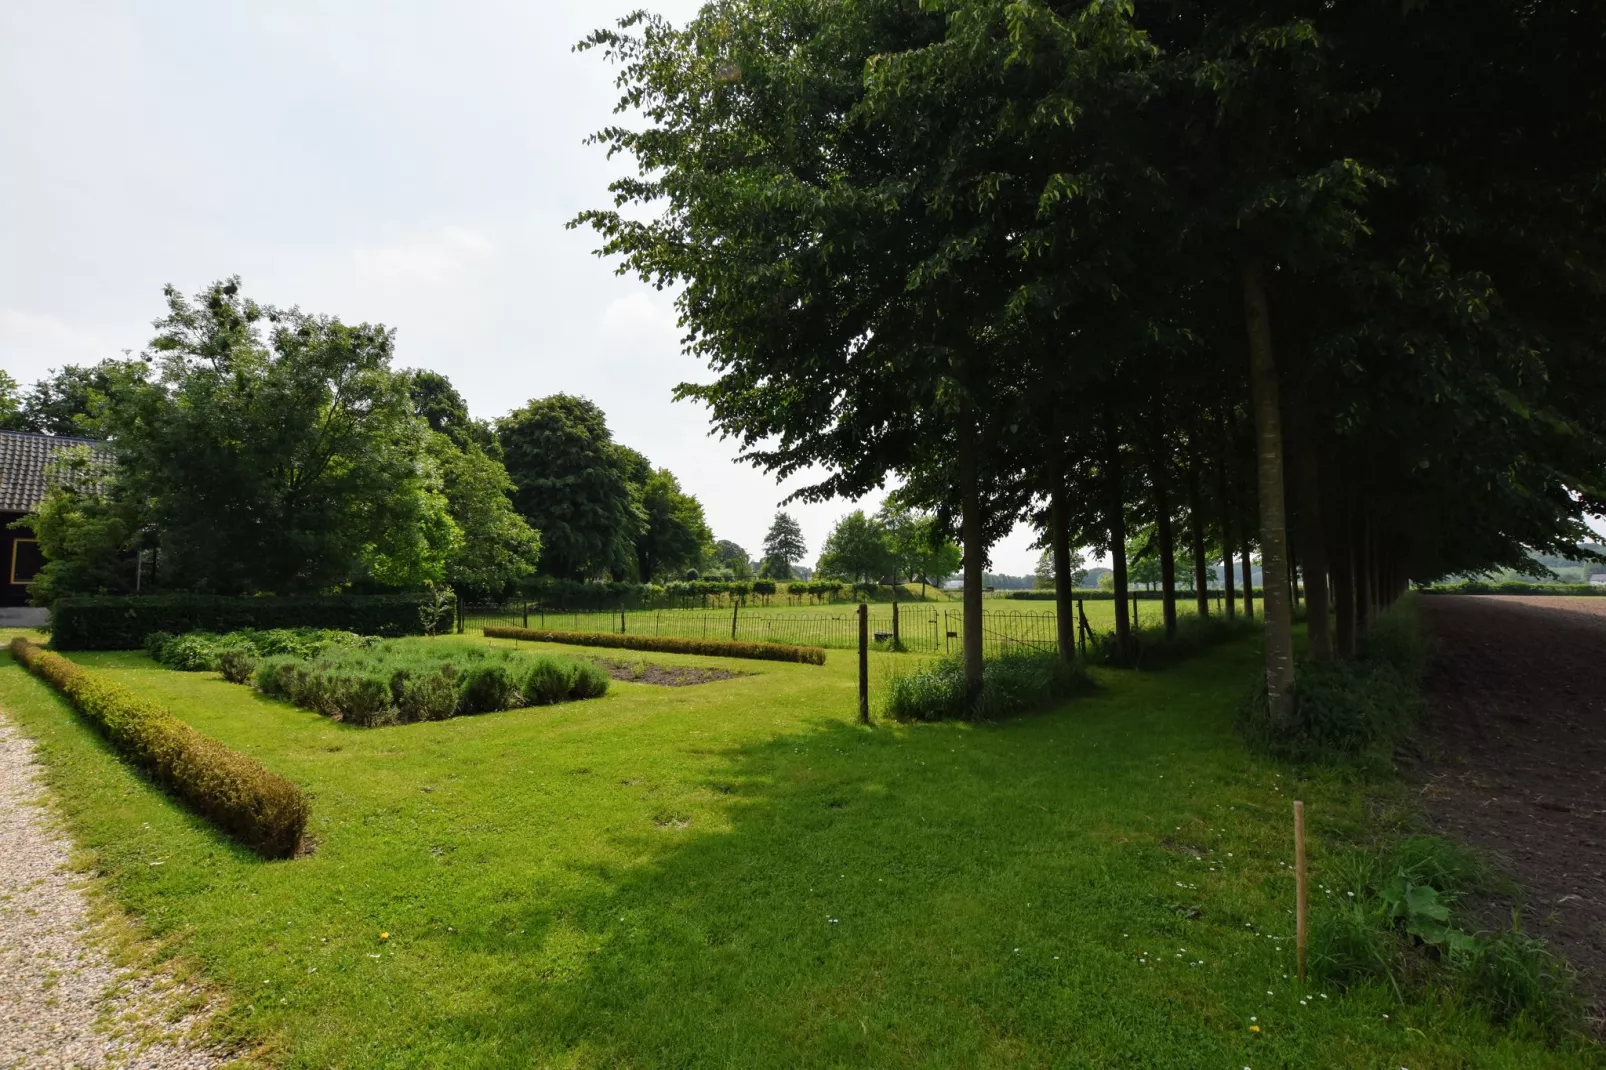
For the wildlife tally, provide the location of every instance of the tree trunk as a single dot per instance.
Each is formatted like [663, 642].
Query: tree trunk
[1201, 571]
[1115, 507]
[975, 552]
[1273, 517]
[1362, 579]
[1248, 564]
[1342, 565]
[1064, 606]
[1227, 580]
[1168, 551]
[1306, 472]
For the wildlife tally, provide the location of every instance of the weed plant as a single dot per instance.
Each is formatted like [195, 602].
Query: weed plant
[400, 683]
[1015, 683]
[1397, 916]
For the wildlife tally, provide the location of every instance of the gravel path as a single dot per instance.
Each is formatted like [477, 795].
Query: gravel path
[62, 1001]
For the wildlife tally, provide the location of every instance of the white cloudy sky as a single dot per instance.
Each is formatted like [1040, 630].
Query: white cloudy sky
[405, 163]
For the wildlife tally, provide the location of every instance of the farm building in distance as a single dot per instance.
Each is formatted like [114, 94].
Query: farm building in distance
[23, 460]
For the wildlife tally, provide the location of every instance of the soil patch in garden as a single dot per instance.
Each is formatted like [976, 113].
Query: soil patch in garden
[645, 672]
[1514, 757]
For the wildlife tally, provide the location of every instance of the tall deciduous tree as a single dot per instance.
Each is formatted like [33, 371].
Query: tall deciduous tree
[280, 464]
[674, 535]
[856, 550]
[573, 485]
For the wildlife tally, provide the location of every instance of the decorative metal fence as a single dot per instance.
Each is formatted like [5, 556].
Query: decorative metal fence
[915, 628]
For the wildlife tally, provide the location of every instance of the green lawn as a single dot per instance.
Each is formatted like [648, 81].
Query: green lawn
[736, 874]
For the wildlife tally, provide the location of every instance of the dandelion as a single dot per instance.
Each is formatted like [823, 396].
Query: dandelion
[384, 936]
[1254, 1029]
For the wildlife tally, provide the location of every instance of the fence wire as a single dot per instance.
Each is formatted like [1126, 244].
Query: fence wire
[915, 629]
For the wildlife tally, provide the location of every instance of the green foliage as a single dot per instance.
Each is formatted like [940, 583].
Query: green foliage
[1394, 916]
[111, 623]
[573, 485]
[673, 534]
[86, 527]
[260, 809]
[1481, 587]
[1346, 711]
[783, 547]
[75, 400]
[401, 683]
[718, 648]
[856, 550]
[497, 548]
[288, 464]
[437, 402]
[1016, 683]
[202, 651]
[12, 417]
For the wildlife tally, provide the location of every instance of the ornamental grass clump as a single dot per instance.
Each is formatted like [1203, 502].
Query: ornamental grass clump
[261, 809]
[1015, 683]
[402, 683]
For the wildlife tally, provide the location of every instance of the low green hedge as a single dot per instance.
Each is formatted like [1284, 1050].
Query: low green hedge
[718, 648]
[1479, 587]
[106, 622]
[262, 810]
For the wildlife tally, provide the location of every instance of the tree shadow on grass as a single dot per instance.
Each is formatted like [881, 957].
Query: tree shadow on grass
[883, 896]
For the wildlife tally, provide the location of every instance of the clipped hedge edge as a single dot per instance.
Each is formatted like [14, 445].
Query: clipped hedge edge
[236, 793]
[667, 644]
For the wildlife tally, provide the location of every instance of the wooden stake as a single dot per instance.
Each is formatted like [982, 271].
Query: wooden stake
[1301, 887]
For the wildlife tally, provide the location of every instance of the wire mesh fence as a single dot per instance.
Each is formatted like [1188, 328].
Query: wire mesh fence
[913, 629]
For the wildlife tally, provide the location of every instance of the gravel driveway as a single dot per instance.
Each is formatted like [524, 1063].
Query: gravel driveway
[59, 992]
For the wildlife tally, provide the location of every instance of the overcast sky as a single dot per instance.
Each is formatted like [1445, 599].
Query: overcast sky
[404, 163]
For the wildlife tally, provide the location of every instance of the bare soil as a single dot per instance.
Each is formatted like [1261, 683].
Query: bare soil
[1513, 756]
[645, 672]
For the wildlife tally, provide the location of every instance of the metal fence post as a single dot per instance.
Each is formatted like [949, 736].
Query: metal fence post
[864, 663]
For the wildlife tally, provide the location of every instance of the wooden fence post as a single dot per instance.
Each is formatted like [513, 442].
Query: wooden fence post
[864, 663]
[736, 604]
[895, 645]
[526, 615]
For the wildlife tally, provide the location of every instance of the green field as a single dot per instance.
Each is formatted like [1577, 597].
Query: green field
[736, 874]
[923, 626]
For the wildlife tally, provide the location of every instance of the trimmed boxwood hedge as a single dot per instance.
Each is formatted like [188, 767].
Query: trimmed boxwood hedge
[1570, 590]
[718, 648]
[108, 622]
[261, 809]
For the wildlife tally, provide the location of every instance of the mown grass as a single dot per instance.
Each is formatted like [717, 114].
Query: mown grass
[736, 874]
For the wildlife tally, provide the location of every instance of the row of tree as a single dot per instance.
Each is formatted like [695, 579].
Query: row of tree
[1324, 280]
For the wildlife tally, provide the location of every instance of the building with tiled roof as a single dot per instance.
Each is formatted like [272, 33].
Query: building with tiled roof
[24, 459]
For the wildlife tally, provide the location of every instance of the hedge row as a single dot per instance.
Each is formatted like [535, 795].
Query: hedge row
[719, 648]
[106, 622]
[575, 594]
[262, 810]
[1479, 587]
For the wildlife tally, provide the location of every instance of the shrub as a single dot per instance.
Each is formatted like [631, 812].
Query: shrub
[590, 681]
[485, 688]
[203, 651]
[237, 666]
[429, 696]
[259, 808]
[547, 682]
[1346, 710]
[1015, 683]
[394, 683]
[108, 622]
[718, 648]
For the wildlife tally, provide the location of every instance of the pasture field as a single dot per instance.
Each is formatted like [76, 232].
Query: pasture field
[923, 627]
[736, 874]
